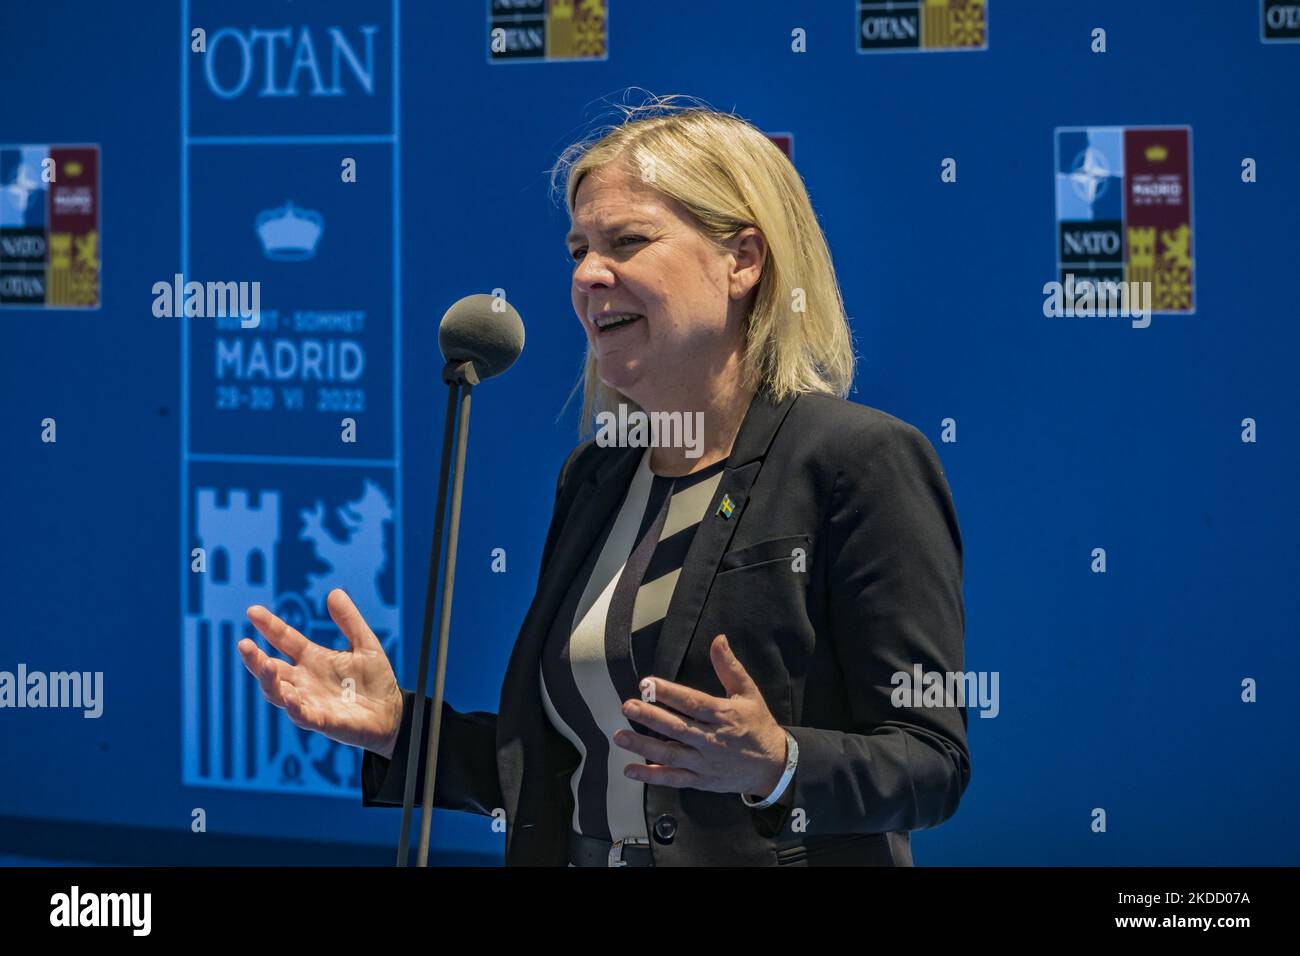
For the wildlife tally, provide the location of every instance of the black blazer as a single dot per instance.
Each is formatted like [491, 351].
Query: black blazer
[864, 494]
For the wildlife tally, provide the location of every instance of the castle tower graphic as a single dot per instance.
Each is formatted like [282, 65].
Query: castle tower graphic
[232, 737]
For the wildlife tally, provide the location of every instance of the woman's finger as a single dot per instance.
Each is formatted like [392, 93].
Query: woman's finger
[268, 670]
[280, 635]
[350, 622]
[251, 655]
[666, 752]
[674, 725]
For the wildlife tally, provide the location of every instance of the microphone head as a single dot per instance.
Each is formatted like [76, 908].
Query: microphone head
[482, 329]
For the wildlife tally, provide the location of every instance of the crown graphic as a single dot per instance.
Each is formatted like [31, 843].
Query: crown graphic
[289, 233]
[1157, 153]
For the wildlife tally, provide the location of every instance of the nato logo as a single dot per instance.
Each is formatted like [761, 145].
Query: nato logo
[289, 234]
[1090, 202]
[1089, 175]
[22, 192]
[543, 30]
[1123, 209]
[911, 26]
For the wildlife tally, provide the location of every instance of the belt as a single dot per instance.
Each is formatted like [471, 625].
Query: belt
[593, 851]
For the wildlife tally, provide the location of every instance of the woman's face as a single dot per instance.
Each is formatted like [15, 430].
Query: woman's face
[637, 251]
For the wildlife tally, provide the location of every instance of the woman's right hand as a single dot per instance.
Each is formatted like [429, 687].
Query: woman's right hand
[314, 691]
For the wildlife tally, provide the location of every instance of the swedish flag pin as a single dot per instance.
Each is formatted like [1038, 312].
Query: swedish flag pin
[727, 508]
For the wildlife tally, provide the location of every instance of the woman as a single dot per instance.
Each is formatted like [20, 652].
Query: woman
[706, 671]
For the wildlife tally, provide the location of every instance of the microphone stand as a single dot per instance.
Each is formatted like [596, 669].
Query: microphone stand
[461, 379]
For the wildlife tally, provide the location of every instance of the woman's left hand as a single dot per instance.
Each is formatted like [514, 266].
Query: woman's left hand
[729, 744]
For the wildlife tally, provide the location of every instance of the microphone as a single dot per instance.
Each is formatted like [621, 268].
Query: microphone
[480, 337]
[483, 329]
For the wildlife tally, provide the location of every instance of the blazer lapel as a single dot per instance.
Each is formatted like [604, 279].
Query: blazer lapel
[761, 423]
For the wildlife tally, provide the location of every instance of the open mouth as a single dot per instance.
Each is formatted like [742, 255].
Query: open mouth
[606, 323]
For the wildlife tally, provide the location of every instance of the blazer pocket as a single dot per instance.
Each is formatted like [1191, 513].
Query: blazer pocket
[773, 549]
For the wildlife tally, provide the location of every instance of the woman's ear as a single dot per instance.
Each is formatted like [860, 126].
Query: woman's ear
[749, 252]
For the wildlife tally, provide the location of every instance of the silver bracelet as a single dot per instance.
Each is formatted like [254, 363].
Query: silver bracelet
[791, 761]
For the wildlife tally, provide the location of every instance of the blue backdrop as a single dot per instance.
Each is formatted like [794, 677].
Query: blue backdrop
[1120, 690]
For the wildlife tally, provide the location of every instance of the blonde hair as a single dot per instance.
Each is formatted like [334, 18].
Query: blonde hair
[729, 175]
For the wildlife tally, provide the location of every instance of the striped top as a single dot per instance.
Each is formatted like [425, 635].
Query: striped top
[602, 641]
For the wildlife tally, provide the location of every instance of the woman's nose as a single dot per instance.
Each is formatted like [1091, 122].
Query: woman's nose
[592, 272]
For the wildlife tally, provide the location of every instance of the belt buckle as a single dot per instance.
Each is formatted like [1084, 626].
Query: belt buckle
[616, 849]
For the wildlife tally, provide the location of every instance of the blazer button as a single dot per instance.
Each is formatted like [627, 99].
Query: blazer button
[665, 828]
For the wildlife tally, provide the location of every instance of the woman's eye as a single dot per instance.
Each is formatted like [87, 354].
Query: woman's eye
[577, 254]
